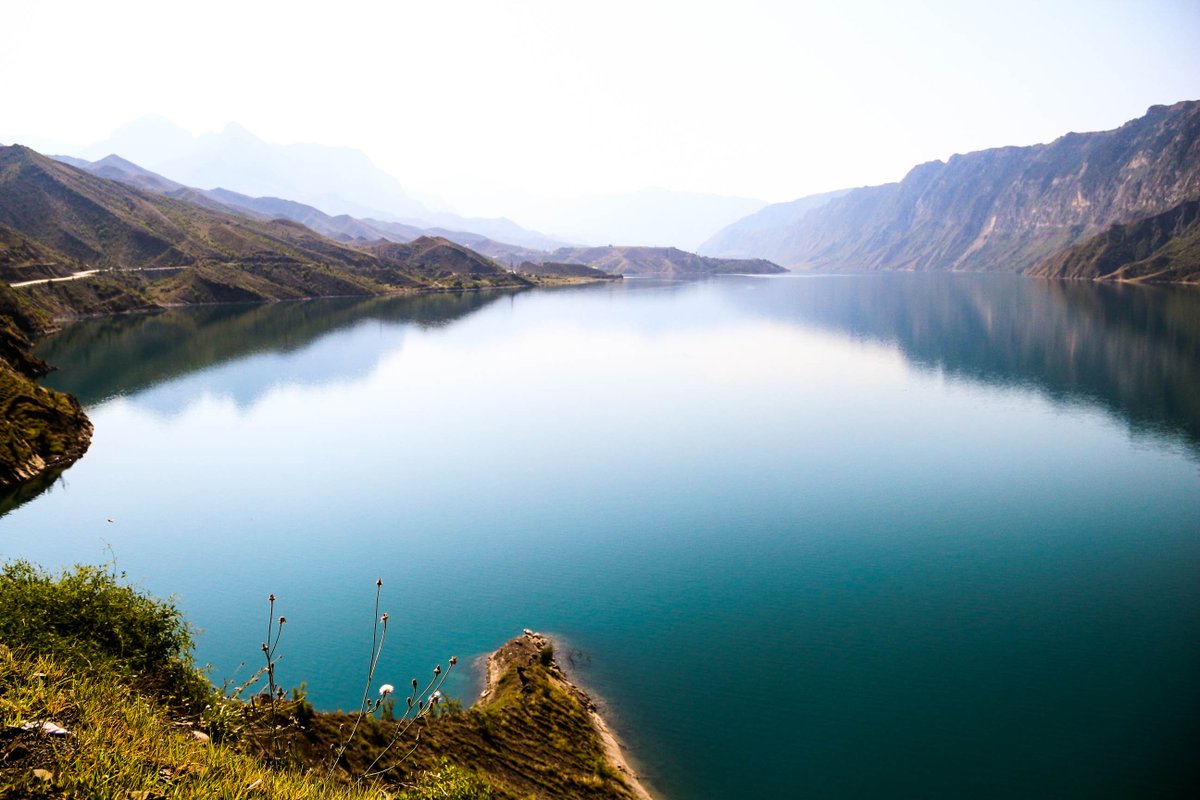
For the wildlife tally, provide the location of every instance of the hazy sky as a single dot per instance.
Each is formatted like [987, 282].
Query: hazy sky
[772, 100]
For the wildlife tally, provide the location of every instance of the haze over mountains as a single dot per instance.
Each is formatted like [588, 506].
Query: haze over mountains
[344, 181]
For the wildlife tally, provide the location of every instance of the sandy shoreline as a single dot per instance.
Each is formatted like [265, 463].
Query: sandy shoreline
[528, 645]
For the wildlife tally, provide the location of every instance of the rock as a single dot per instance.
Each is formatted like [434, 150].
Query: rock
[46, 728]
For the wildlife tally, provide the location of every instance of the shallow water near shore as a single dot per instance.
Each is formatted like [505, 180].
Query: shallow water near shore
[840, 536]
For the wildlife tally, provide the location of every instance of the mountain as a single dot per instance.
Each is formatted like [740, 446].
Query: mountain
[116, 168]
[336, 180]
[1006, 209]
[150, 249]
[89, 222]
[342, 228]
[763, 232]
[1165, 245]
[659, 262]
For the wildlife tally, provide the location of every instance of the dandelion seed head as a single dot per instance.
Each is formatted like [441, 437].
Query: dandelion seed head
[386, 689]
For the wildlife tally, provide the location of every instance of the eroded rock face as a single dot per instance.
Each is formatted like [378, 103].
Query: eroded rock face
[1006, 209]
[40, 430]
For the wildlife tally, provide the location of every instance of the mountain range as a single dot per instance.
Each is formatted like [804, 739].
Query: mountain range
[1009, 209]
[146, 248]
[336, 180]
[344, 181]
[631, 260]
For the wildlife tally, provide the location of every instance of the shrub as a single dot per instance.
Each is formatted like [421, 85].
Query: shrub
[450, 782]
[87, 619]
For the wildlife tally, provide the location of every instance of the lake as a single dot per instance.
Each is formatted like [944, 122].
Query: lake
[890, 535]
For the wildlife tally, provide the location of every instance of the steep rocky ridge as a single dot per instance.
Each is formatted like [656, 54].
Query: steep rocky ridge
[1007, 208]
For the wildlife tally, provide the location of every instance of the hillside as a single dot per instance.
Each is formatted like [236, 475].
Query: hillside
[566, 270]
[41, 431]
[659, 262]
[94, 223]
[1005, 209]
[1163, 246]
[337, 180]
[342, 227]
[152, 249]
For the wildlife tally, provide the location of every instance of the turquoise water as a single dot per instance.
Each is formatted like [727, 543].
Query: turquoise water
[827, 537]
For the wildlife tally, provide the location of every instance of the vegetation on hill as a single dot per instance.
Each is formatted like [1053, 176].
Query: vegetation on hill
[340, 227]
[566, 270]
[99, 698]
[1164, 246]
[154, 250]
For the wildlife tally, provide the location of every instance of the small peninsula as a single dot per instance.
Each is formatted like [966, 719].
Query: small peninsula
[107, 700]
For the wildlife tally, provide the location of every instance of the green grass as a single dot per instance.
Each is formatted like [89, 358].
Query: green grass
[85, 651]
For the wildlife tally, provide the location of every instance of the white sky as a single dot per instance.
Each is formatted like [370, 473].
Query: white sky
[772, 100]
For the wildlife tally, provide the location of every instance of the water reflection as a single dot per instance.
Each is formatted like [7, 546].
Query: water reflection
[104, 358]
[1134, 350]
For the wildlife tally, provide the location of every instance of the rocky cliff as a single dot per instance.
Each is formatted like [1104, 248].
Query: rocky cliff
[41, 431]
[1008, 208]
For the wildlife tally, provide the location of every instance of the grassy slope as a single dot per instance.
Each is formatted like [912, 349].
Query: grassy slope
[113, 667]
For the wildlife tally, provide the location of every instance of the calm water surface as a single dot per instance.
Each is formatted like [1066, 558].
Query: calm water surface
[808, 537]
